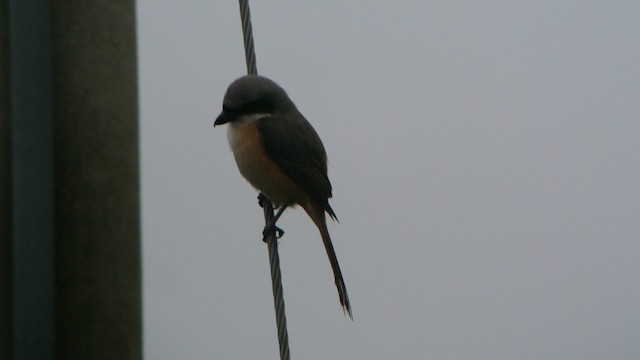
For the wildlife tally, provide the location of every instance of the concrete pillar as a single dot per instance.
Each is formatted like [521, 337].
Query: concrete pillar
[31, 157]
[98, 274]
[5, 190]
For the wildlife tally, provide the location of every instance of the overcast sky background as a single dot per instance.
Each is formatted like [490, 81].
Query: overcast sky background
[485, 162]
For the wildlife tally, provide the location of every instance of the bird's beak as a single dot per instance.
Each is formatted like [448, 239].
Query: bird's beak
[223, 118]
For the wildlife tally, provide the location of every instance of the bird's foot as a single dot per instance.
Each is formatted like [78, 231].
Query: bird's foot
[261, 199]
[271, 229]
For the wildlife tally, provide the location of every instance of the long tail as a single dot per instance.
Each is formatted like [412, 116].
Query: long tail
[317, 213]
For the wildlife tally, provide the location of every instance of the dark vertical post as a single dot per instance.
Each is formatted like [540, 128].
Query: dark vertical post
[6, 303]
[31, 157]
[98, 287]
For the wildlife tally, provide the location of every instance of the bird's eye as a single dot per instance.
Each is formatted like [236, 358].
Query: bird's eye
[226, 109]
[258, 106]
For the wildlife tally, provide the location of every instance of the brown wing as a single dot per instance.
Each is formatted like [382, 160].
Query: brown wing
[295, 146]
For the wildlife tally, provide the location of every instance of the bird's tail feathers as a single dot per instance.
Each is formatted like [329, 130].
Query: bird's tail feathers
[316, 212]
[330, 211]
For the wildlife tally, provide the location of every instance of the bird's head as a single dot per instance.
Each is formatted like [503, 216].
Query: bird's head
[253, 96]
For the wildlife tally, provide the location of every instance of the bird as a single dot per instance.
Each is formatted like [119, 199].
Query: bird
[281, 155]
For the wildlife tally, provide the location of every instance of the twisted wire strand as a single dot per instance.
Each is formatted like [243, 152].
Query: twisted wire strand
[271, 239]
[276, 283]
[247, 31]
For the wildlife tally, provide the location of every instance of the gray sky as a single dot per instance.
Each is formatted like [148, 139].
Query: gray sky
[484, 159]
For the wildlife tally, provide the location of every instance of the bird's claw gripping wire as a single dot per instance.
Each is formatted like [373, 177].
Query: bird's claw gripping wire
[261, 200]
[271, 227]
